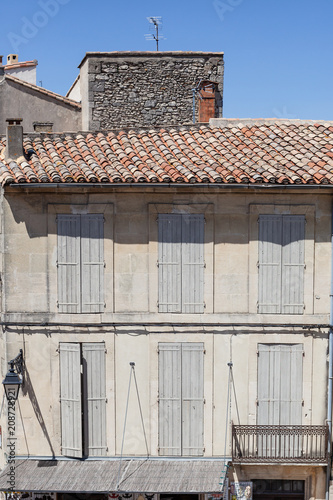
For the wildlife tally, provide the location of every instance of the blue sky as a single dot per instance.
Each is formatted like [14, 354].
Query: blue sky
[278, 53]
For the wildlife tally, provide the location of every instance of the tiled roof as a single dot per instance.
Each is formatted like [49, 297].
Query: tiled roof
[41, 90]
[25, 64]
[256, 152]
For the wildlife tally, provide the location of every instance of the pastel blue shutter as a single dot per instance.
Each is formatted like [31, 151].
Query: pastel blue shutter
[293, 264]
[169, 386]
[92, 263]
[192, 398]
[169, 262]
[68, 263]
[281, 264]
[270, 251]
[280, 382]
[94, 390]
[70, 399]
[193, 263]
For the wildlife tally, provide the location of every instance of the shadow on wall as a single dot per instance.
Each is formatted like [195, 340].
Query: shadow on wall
[28, 389]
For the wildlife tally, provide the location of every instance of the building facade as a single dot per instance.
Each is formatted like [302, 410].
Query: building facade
[170, 291]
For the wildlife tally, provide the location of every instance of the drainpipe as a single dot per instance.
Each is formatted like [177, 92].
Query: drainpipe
[330, 375]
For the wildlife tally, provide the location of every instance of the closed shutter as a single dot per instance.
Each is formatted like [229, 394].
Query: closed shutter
[68, 263]
[280, 382]
[92, 263]
[169, 380]
[93, 357]
[270, 248]
[70, 399]
[192, 263]
[169, 263]
[192, 398]
[293, 264]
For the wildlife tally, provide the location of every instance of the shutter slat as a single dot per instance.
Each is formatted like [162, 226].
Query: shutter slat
[192, 398]
[270, 241]
[293, 264]
[68, 262]
[169, 399]
[92, 263]
[193, 263]
[169, 263]
[70, 399]
[94, 390]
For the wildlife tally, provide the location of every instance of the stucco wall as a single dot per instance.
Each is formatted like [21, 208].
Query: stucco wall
[17, 101]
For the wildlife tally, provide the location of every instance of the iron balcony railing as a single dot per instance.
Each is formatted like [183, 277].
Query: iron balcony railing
[279, 443]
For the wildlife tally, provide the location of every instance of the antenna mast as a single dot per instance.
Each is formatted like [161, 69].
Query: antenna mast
[155, 22]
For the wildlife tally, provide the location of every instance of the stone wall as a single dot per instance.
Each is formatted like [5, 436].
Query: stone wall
[131, 89]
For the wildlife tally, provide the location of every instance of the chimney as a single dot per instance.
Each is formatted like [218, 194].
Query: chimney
[1, 60]
[2, 69]
[14, 138]
[12, 58]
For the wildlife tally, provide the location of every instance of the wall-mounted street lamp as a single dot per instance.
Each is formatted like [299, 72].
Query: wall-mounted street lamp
[14, 378]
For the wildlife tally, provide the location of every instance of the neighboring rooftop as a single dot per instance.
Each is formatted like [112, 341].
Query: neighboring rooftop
[253, 152]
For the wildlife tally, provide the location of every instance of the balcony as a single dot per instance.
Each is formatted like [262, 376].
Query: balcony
[279, 444]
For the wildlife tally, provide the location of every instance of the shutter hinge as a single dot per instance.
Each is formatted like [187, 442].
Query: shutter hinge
[302, 402]
[58, 303]
[258, 220]
[205, 265]
[303, 354]
[304, 265]
[157, 264]
[204, 351]
[257, 352]
[57, 263]
[106, 400]
[58, 349]
[204, 401]
[104, 264]
[203, 450]
[304, 306]
[257, 307]
[107, 449]
[105, 350]
[204, 304]
[157, 219]
[258, 264]
[104, 305]
[257, 402]
[158, 350]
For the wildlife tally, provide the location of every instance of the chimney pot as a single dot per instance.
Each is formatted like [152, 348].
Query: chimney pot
[14, 138]
[1, 60]
[12, 58]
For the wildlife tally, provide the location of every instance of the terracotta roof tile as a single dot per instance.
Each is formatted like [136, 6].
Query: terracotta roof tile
[281, 152]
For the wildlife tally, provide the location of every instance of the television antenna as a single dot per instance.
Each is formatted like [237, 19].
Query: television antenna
[155, 22]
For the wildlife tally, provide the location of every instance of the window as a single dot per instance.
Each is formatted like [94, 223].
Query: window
[281, 264]
[181, 263]
[280, 381]
[181, 400]
[83, 399]
[80, 263]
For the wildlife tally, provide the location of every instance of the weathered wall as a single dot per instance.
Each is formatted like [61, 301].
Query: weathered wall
[145, 88]
[17, 101]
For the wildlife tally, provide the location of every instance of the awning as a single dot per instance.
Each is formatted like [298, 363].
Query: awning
[103, 476]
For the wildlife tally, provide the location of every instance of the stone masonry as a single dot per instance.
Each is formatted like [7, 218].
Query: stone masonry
[131, 89]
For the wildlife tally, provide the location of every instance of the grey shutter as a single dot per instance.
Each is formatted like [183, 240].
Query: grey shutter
[70, 399]
[192, 263]
[94, 408]
[92, 263]
[293, 264]
[169, 380]
[270, 247]
[169, 263]
[280, 382]
[192, 398]
[68, 263]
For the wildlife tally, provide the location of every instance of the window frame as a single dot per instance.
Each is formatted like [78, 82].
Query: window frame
[205, 209]
[55, 209]
[255, 210]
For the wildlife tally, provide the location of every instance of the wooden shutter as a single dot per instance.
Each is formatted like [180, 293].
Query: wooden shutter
[92, 263]
[68, 263]
[169, 263]
[169, 399]
[280, 382]
[94, 409]
[270, 248]
[192, 398]
[192, 263]
[293, 264]
[70, 399]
